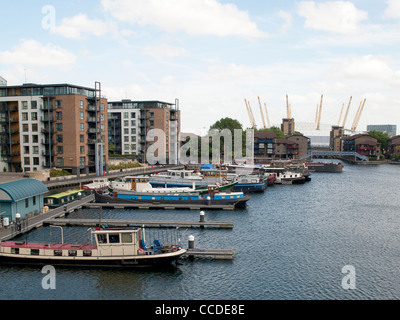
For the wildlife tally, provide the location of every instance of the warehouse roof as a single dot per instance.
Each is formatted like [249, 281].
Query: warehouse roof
[21, 189]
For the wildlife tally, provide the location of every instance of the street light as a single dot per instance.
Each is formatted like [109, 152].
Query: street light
[62, 233]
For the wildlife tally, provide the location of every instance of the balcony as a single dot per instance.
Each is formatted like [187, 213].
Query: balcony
[46, 119]
[93, 130]
[46, 130]
[92, 119]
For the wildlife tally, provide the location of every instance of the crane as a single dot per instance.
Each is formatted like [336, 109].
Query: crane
[266, 113]
[250, 113]
[316, 113]
[347, 112]
[340, 117]
[358, 115]
[288, 113]
[319, 113]
[262, 114]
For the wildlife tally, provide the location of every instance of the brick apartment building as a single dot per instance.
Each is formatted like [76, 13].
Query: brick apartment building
[44, 126]
[363, 144]
[394, 145]
[129, 123]
[268, 147]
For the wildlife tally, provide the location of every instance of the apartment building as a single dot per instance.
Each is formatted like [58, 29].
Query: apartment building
[53, 125]
[363, 144]
[129, 123]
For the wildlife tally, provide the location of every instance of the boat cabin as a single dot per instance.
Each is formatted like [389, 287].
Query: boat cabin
[214, 173]
[63, 198]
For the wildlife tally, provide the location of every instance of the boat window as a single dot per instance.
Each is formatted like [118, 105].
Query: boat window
[15, 250]
[72, 253]
[126, 237]
[87, 253]
[113, 237]
[34, 252]
[102, 238]
[58, 252]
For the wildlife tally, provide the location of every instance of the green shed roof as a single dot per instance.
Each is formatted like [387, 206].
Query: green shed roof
[21, 189]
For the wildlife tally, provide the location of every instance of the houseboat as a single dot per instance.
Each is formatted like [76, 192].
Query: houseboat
[190, 178]
[250, 183]
[113, 247]
[63, 198]
[97, 184]
[137, 189]
[325, 167]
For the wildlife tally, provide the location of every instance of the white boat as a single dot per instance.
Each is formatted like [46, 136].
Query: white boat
[97, 184]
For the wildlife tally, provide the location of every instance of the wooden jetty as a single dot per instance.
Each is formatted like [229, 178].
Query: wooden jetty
[218, 254]
[147, 206]
[138, 223]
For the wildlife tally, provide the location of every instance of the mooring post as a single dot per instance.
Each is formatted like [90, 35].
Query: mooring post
[202, 218]
[191, 242]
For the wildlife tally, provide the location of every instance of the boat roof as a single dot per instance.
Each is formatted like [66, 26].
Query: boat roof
[66, 193]
[56, 246]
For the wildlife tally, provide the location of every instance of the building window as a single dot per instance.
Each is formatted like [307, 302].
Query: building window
[133, 122]
[33, 104]
[58, 104]
[133, 131]
[80, 115]
[60, 149]
[59, 126]
[133, 114]
[59, 138]
[81, 127]
[34, 200]
[25, 138]
[35, 161]
[126, 115]
[102, 128]
[58, 115]
[33, 115]
[35, 150]
[126, 131]
[82, 149]
[80, 104]
[60, 161]
[81, 137]
[25, 127]
[27, 203]
[35, 138]
[151, 123]
[82, 161]
[26, 149]
[24, 116]
[34, 127]
[24, 104]
[126, 123]
[27, 161]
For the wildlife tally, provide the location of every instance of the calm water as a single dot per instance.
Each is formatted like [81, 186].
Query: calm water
[290, 243]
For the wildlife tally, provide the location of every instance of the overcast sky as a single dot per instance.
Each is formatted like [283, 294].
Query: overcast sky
[213, 54]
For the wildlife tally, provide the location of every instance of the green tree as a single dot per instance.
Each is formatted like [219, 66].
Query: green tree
[382, 138]
[276, 130]
[227, 123]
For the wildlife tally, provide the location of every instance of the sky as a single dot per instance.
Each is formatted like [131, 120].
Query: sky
[214, 54]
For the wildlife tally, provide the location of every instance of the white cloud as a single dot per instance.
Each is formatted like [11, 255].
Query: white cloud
[31, 53]
[165, 51]
[333, 16]
[195, 17]
[287, 17]
[369, 68]
[393, 9]
[75, 27]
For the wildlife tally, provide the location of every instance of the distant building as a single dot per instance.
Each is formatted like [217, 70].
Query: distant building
[54, 125]
[363, 144]
[304, 144]
[268, 147]
[130, 121]
[394, 146]
[25, 197]
[287, 126]
[336, 134]
[390, 129]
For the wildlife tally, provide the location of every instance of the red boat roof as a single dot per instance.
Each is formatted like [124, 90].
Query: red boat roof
[57, 246]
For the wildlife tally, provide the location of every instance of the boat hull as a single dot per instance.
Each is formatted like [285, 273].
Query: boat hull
[112, 262]
[325, 167]
[127, 198]
[250, 187]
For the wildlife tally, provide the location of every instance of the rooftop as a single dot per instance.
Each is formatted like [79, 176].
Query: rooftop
[21, 189]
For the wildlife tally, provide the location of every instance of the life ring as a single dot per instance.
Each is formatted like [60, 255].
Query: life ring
[224, 179]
